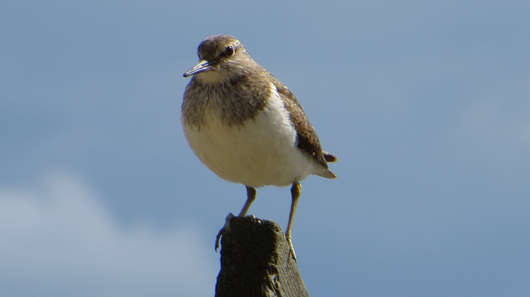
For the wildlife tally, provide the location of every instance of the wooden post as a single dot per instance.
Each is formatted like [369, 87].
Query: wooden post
[255, 261]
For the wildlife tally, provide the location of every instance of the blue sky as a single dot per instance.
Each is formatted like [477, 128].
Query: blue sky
[426, 104]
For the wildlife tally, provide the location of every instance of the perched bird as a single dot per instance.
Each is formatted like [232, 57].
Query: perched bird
[246, 126]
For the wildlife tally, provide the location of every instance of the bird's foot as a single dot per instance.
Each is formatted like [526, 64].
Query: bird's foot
[291, 248]
[226, 228]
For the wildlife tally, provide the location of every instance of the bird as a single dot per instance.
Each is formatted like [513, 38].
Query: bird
[247, 127]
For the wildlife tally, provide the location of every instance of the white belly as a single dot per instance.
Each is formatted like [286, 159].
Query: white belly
[260, 152]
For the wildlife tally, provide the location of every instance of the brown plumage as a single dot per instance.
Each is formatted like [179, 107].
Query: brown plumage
[247, 126]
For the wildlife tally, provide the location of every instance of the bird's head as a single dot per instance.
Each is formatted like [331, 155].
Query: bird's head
[221, 57]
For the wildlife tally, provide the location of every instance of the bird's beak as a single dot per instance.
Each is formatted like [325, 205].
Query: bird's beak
[201, 67]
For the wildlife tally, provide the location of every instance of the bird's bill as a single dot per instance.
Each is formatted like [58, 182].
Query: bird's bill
[201, 67]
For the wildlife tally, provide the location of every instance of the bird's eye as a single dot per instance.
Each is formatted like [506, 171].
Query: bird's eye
[229, 51]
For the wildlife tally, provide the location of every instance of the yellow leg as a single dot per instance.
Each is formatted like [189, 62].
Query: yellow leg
[251, 196]
[296, 191]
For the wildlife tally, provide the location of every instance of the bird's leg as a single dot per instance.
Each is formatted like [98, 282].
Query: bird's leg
[296, 190]
[251, 196]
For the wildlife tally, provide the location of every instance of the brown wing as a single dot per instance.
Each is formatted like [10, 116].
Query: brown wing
[307, 137]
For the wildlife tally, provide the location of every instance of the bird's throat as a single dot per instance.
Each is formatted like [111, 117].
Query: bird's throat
[211, 77]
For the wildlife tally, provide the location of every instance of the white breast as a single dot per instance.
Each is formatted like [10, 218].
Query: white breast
[260, 152]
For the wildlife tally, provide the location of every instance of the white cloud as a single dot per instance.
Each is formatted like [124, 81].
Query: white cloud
[56, 238]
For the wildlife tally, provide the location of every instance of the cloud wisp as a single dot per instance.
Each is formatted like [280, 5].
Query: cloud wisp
[57, 238]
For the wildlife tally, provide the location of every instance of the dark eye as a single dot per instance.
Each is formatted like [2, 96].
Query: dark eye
[229, 51]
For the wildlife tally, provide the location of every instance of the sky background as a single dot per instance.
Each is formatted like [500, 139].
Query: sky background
[426, 104]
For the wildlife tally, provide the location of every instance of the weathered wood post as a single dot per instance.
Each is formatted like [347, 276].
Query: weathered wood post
[255, 261]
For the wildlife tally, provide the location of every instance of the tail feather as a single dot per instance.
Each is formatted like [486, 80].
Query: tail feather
[329, 157]
[326, 172]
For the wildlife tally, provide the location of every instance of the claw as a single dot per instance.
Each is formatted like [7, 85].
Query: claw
[226, 228]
